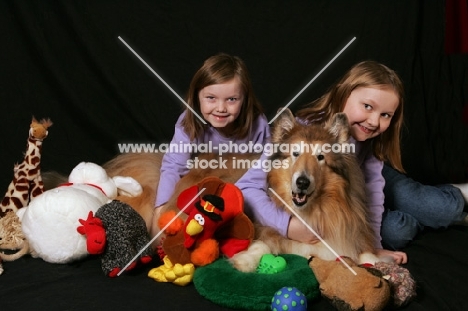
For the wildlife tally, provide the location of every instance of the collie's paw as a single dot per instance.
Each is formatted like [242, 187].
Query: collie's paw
[248, 260]
[244, 263]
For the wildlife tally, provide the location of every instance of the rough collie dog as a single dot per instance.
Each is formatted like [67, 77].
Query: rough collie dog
[325, 188]
[324, 185]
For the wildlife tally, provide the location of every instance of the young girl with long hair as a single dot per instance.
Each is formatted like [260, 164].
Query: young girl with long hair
[371, 95]
[221, 93]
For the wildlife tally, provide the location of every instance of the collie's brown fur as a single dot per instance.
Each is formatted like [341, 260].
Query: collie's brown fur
[326, 190]
[335, 199]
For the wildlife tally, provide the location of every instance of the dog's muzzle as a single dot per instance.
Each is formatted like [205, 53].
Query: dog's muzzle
[301, 189]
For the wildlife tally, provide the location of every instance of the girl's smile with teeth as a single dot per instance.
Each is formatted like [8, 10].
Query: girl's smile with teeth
[365, 129]
[369, 111]
[220, 104]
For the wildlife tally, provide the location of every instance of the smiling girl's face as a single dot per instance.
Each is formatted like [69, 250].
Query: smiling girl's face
[370, 111]
[220, 104]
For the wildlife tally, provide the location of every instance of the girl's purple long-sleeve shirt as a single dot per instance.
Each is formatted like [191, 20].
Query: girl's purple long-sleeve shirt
[372, 169]
[253, 184]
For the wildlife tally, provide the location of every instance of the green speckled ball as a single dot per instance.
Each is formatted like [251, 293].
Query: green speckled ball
[289, 299]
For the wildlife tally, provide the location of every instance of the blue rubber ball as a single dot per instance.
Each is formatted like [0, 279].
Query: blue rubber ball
[289, 298]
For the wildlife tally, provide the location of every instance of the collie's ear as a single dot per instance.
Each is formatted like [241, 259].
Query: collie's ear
[338, 126]
[283, 124]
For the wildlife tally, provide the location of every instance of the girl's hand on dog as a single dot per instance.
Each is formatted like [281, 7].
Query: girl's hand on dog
[398, 257]
[298, 232]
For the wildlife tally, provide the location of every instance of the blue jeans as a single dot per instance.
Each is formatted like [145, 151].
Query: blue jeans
[410, 206]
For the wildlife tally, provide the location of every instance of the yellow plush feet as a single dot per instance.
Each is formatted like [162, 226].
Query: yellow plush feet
[177, 274]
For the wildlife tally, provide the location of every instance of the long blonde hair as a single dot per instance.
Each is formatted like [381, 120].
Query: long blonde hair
[386, 146]
[217, 69]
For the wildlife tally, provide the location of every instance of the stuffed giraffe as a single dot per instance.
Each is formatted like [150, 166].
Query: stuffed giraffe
[27, 182]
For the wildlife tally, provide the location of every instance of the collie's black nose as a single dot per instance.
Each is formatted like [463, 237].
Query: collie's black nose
[302, 182]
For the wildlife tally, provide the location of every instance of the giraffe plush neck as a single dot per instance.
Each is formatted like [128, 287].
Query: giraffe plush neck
[27, 182]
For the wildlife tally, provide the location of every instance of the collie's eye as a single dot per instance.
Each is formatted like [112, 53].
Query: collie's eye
[320, 157]
[295, 154]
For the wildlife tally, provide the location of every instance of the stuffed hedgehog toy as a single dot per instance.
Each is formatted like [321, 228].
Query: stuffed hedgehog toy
[118, 233]
[49, 222]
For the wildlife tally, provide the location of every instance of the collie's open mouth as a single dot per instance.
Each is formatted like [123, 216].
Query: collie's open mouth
[299, 198]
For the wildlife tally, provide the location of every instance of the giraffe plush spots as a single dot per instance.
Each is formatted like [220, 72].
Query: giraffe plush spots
[27, 182]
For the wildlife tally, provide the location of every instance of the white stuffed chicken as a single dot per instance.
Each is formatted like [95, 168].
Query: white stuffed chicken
[50, 220]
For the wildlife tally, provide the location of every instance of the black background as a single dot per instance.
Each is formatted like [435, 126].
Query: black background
[64, 60]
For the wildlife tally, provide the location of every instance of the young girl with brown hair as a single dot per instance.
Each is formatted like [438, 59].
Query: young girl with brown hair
[221, 94]
[371, 95]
